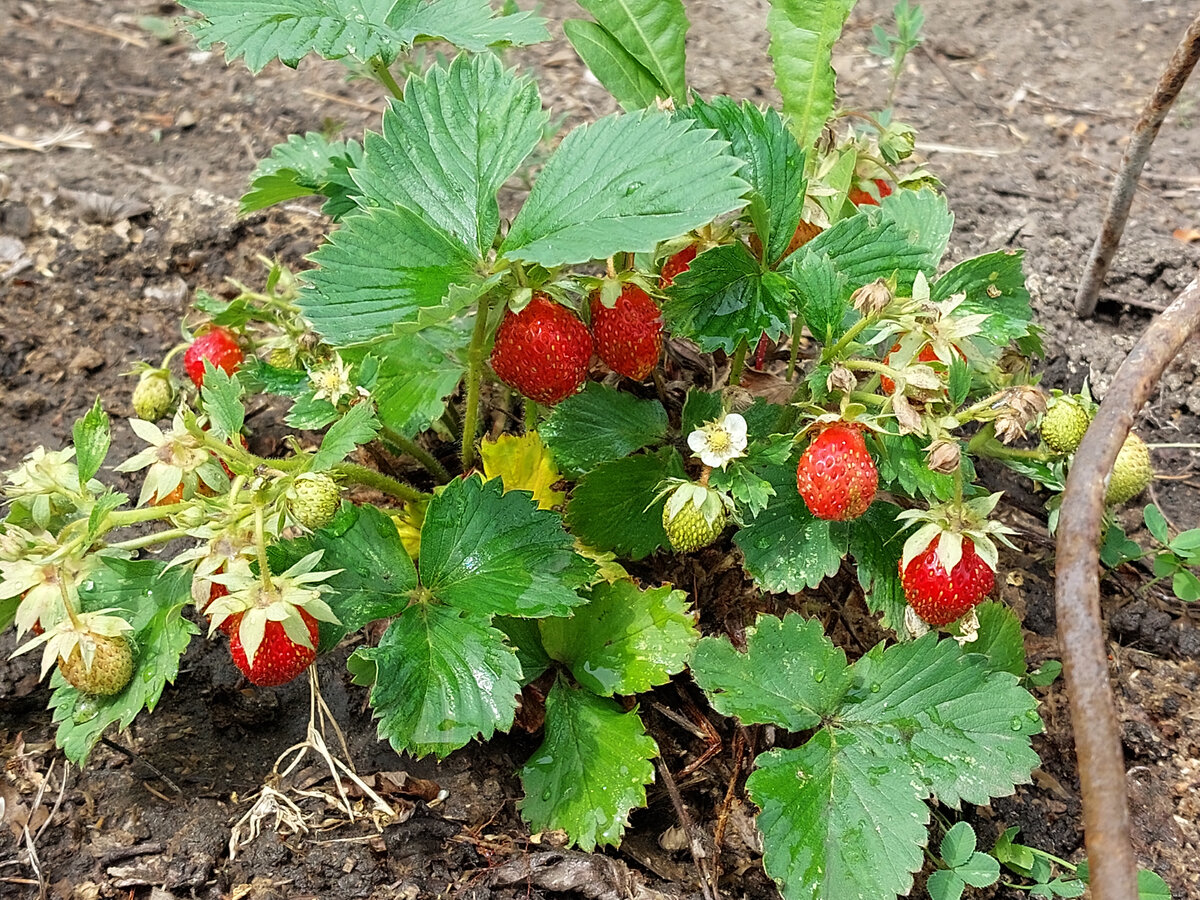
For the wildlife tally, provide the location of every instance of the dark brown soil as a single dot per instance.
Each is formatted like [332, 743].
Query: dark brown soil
[1022, 108]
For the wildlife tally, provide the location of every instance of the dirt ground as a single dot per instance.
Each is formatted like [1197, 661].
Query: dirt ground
[1022, 108]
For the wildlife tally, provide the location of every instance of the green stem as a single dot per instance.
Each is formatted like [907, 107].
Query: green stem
[260, 538]
[531, 415]
[797, 333]
[739, 362]
[452, 421]
[380, 482]
[474, 377]
[844, 341]
[384, 74]
[121, 518]
[868, 399]
[408, 447]
[149, 540]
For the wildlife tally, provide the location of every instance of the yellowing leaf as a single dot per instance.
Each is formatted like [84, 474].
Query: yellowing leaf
[523, 464]
[607, 567]
[408, 525]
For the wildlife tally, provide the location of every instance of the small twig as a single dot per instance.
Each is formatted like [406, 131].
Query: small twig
[100, 30]
[739, 750]
[1077, 598]
[346, 101]
[1183, 60]
[142, 761]
[707, 885]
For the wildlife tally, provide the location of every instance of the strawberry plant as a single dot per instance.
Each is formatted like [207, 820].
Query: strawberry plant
[497, 579]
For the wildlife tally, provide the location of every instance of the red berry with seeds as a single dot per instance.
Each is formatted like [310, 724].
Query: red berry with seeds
[278, 658]
[939, 597]
[217, 345]
[837, 476]
[543, 351]
[628, 336]
[676, 265]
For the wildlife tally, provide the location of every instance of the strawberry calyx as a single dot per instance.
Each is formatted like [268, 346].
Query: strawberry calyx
[252, 601]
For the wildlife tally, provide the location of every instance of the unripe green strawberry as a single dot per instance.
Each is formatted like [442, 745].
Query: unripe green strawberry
[112, 666]
[154, 395]
[1131, 472]
[690, 530]
[1064, 424]
[314, 500]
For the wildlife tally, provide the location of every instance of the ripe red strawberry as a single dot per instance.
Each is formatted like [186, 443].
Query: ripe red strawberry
[836, 476]
[543, 351]
[859, 197]
[217, 345]
[278, 659]
[676, 265]
[216, 591]
[939, 597]
[629, 336]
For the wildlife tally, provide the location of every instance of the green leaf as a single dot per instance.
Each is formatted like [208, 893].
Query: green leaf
[151, 598]
[904, 469]
[92, 439]
[822, 294]
[924, 218]
[746, 487]
[362, 291]
[875, 244]
[995, 286]
[287, 30]
[490, 552]
[265, 30]
[358, 426]
[451, 143]
[839, 818]
[1151, 886]
[803, 33]
[625, 640]
[613, 506]
[591, 769]
[786, 549]
[967, 728]
[599, 424]
[725, 298]
[222, 396]
[958, 844]
[1045, 674]
[302, 166]
[525, 637]
[418, 373]
[630, 83]
[652, 32]
[377, 577]
[470, 24]
[791, 674]
[310, 414]
[876, 547]
[623, 183]
[945, 884]
[256, 375]
[774, 166]
[442, 677]
[1000, 639]
[980, 871]
[958, 381]
[700, 407]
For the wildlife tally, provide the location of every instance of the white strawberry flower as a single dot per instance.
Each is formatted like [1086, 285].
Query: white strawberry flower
[332, 382]
[719, 441]
[298, 588]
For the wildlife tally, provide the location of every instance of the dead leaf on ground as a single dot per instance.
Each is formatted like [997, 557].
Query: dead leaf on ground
[1187, 235]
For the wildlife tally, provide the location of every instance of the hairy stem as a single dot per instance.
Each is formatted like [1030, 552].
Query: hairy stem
[384, 75]
[380, 482]
[738, 363]
[408, 447]
[474, 377]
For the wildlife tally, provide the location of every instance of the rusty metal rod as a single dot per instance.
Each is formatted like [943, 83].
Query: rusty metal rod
[1077, 593]
[1172, 80]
